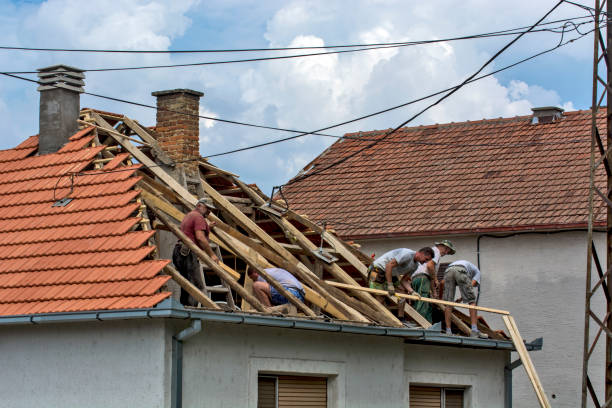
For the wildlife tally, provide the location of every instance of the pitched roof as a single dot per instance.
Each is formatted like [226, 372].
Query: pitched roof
[85, 255]
[489, 175]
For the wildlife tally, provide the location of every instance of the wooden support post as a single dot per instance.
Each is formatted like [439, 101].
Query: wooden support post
[216, 268]
[526, 359]
[190, 288]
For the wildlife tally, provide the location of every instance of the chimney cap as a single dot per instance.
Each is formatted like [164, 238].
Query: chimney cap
[61, 76]
[178, 91]
[546, 114]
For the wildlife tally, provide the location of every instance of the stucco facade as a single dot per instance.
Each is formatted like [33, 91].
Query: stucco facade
[129, 363]
[540, 279]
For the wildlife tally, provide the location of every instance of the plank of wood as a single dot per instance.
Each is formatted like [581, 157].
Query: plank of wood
[144, 135]
[316, 299]
[305, 274]
[216, 268]
[384, 315]
[190, 288]
[216, 169]
[112, 131]
[267, 277]
[415, 297]
[146, 161]
[526, 359]
[483, 328]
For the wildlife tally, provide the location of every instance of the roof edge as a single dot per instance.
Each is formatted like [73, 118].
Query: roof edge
[526, 228]
[167, 309]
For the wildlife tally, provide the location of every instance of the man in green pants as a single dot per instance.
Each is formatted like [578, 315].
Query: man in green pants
[425, 278]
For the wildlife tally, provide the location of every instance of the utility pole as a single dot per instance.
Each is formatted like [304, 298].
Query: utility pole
[599, 157]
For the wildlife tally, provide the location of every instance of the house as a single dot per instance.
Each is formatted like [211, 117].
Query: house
[88, 307]
[511, 194]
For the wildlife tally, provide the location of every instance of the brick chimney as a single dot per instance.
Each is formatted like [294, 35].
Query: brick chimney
[179, 134]
[60, 89]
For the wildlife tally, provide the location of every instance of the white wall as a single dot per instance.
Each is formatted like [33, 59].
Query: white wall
[98, 364]
[540, 279]
[222, 362]
[482, 378]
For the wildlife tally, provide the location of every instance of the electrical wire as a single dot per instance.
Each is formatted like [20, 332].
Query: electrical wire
[318, 132]
[284, 57]
[445, 96]
[396, 106]
[240, 50]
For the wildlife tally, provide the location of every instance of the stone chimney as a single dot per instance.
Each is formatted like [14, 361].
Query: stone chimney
[60, 89]
[178, 127]
[547, 114]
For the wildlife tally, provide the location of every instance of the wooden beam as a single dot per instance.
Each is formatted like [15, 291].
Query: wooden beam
[190, 288]
[215, 267]
[267, 277]
[416, 297]
[150, 140]
[303, 273]
[216, 169]
[384, 315]
[526, 359]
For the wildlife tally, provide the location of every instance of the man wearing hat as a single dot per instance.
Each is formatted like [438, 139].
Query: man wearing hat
[425, 278]
[195, 226]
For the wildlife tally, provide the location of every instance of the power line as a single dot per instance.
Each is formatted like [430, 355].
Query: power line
[364, 48]
[396, 106]
[452, 91]
[317, 132]
[208, 51]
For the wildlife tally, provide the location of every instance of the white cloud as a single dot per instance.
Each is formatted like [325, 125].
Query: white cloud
[303, 94]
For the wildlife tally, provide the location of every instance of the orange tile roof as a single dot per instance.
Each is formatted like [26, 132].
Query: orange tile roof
[83, 256]
[489, 175]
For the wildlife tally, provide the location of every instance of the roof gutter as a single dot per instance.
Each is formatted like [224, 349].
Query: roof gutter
[168, 310]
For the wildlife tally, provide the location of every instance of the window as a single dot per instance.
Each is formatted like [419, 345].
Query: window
[291, 391]
[435, 397]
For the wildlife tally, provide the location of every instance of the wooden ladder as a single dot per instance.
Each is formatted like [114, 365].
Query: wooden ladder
[222, 288]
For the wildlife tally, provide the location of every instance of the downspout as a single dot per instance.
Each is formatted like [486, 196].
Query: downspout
[511, 365]
[176, 391]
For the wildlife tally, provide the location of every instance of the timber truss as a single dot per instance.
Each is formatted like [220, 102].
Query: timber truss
[599, 198]
[254, 232]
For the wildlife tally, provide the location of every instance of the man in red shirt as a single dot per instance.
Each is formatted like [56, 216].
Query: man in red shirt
[196, 227]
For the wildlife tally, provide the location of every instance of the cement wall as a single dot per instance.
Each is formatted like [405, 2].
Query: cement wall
[482, 378]
[222, 362]
[99, 364]
[540, 279]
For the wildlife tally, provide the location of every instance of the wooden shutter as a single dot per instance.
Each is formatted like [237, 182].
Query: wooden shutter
[266, 392]
[294, 391]
[425, 397]
[453, 398]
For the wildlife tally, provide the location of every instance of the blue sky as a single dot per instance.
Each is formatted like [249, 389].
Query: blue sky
[304, 94]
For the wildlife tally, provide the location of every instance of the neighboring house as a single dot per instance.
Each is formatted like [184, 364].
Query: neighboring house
[87, 318]
[512, 195]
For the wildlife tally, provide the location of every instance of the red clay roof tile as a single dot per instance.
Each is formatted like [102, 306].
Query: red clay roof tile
[499, 174]
[82, 256]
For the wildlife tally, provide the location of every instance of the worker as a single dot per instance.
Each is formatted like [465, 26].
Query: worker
[386, 270]
[267, 294]
[425, 279]
[466, 276]
[197, 228]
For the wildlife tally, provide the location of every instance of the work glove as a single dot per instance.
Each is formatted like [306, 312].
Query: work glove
[390, 289]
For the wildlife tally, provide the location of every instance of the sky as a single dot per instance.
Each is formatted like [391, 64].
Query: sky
[303, 94]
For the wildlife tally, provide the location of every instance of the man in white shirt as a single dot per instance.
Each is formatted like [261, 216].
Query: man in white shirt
[386, 270]
[466, 276]
[425, 278]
